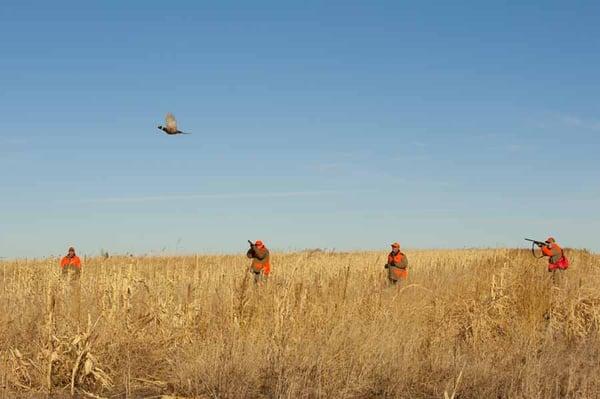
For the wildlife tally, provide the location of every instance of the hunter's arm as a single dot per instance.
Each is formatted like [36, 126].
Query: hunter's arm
[260, 256]
[404, 262]
[547, 251]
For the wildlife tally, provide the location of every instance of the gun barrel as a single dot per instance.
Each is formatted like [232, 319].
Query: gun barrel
[535, 241]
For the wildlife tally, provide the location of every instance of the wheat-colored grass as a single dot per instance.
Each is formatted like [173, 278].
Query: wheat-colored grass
[467, 323]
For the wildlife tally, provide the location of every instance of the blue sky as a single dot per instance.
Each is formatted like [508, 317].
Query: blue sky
[335, 124]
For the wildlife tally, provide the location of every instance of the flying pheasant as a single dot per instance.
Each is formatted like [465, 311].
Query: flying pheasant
[171, 125]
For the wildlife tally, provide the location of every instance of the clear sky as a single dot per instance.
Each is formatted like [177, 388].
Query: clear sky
[332, 124]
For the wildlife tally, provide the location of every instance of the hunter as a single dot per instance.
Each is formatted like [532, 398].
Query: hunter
[71, 262]
[556, 256]
[261, 265]
[397, 264]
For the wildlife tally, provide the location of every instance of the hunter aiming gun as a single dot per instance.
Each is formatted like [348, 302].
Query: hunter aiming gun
[539, 244]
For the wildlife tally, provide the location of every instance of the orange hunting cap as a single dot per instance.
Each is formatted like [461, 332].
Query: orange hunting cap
[259, 243]
[396, 245]
[550, 239]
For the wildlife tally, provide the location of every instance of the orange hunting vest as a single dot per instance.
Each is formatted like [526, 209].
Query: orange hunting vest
[396, 261]
[74, 261]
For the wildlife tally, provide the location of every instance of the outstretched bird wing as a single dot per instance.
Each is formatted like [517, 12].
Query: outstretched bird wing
[171, 122]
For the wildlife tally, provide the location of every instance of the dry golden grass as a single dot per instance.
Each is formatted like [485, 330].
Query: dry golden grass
[468, 324]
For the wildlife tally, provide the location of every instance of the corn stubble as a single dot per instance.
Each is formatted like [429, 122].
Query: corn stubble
[468, 324]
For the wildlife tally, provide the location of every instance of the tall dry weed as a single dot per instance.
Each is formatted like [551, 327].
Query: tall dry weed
[467, 323]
